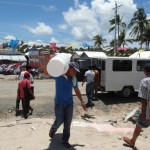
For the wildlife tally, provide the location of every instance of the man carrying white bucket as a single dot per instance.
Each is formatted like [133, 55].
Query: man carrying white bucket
[64, 101]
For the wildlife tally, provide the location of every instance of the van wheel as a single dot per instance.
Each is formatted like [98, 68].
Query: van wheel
[127, 91]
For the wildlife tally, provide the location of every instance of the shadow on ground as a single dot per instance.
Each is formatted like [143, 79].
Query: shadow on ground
[55, 144]
[111, 98]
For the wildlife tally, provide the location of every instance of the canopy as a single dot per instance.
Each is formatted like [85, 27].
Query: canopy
[141, 54]
[92, 54]
[122, 49]
[13, 56]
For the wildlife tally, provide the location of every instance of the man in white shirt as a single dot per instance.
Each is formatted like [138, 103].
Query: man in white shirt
[89, 79]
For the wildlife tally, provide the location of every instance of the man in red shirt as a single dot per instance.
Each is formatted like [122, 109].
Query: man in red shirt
[25, 82]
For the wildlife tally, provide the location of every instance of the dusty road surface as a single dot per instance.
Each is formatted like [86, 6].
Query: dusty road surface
[101, 129]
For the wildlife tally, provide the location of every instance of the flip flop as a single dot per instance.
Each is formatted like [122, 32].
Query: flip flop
[127, 140]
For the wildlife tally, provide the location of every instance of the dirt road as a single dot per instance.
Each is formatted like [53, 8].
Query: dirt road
[103, 131]
[44, 103]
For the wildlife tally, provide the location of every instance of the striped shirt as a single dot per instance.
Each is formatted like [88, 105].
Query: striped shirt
[144, 92]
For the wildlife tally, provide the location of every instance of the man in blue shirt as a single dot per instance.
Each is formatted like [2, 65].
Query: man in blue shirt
[64, 102]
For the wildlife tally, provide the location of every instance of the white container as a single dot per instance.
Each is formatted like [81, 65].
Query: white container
[58, 65]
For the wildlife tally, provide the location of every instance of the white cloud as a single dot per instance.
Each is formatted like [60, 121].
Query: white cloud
[82, 22]
[48, 8]
[87, 21]
[10, 37]
[54, 40]
[37, 42]
[62, 26]
[41, 29]
[76, 3]
[148, 16]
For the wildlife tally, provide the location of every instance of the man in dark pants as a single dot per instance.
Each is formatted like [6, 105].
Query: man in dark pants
[21, 76]
[25, 82]
[89, 79]
[64, 102]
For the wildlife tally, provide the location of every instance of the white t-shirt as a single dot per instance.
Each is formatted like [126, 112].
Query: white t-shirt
[90, 76]
[22, 76]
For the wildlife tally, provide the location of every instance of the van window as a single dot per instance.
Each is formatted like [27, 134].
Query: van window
[84, 63]
[122, 65]
[99, 63]
[140, 65]
[103, 65]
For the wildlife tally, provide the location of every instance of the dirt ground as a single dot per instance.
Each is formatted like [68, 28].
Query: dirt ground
[101, 129]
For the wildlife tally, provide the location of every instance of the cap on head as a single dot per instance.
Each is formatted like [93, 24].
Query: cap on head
[26, 74]
[75, 66]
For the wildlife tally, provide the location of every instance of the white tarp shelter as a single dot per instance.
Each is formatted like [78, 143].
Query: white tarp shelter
[92, 54]
[12, 56]
[91, 57]
[144, 54]
[77, 54]
[108, 48]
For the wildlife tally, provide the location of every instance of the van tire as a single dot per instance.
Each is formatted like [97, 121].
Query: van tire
[127, 91]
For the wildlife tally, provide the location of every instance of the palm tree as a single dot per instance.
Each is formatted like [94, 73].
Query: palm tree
[122, 41]
[146, 38]
[99, 41]
[118, 22]
[138, 23]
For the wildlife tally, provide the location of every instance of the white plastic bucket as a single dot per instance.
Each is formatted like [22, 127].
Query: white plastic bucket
[58, 65]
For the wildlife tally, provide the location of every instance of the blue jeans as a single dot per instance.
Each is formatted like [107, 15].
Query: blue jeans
[89, 92]
[63, 114]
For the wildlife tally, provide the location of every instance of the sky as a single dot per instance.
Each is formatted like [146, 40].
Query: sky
[63, 21]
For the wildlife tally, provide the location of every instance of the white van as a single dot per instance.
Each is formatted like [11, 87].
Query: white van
[122, 74]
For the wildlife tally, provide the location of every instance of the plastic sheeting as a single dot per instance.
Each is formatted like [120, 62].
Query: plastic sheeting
[13, 57]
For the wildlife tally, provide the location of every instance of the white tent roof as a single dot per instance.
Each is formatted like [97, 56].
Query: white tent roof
[93, 54]
[145, 54]
[77, 54]
[108, 48]
[13, 56]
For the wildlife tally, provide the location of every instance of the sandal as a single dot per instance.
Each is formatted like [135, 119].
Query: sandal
[127, 140]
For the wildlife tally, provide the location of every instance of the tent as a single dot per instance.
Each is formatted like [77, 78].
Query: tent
[92, 54]
[10, 56]
[122, 49]
[10, 62]
[108, 48]
[141, 54]
[88, 58]
[77, 55]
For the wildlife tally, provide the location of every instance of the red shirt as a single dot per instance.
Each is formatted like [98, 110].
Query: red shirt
[22, 83]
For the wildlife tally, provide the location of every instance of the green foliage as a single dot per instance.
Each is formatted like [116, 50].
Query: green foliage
[99, 41]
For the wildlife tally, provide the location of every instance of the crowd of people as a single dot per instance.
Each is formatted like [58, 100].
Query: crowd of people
[64, 100]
